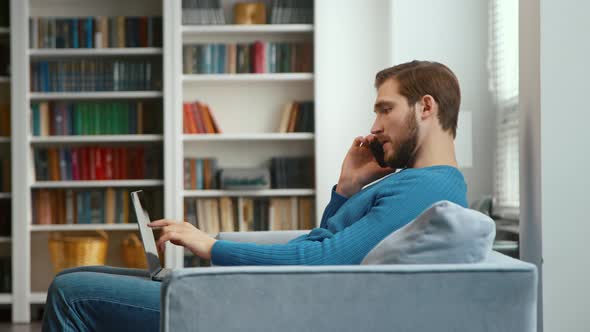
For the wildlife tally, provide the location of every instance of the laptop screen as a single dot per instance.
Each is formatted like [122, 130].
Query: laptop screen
[147, 235]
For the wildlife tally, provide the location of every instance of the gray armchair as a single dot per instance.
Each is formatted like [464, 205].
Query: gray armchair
[496, 295]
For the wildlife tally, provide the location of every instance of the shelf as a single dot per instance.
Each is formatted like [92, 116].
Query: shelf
[264, 77]
[95, 139]
[97, 184]
[4, 139]
[248, 137]
[5, 239]
[38, 297]
[4, 30]
[4, 79]
[95, 95]
[5, 298]
[93, 52]
[248, 193]
[84, 227]
[245, 29]
[5, 195]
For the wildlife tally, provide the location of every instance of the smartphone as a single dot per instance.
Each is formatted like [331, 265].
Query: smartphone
[377, 150]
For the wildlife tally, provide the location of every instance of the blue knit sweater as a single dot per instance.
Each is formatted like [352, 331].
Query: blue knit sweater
[351, 227]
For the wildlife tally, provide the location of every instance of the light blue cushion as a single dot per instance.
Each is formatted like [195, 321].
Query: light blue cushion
[446, 233]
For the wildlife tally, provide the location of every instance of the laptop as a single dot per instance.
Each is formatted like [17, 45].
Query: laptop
[157, 273]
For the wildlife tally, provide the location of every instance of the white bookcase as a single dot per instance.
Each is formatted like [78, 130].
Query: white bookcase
[32, 270]
[247, 106]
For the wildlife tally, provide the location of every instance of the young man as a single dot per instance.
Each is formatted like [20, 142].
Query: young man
[416, 121]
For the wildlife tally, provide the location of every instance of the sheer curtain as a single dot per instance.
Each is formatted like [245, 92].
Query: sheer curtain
[503, 70]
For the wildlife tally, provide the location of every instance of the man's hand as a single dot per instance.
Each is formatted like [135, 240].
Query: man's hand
[184, 234]
[359, 167]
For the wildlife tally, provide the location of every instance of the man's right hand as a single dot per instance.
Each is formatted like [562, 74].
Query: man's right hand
[359, 167]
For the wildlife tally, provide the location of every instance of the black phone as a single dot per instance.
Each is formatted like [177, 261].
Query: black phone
[377, 150]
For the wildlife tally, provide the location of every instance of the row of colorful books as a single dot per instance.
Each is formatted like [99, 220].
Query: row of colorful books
[4, 175]
[291, 11]
[198, 119]
[214, 215]
[97, 163]
[200, 173]
[4, 119]
[257, 57]
[97, 206]
[95, 75]
[95, 118]
[197, 12]
[5, 217]
[297, 117]
[292, 172]
[95, 32]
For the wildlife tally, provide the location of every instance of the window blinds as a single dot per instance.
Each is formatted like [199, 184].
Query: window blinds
[503, 70]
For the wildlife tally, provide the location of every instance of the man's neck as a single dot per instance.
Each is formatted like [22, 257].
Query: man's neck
[437, 149]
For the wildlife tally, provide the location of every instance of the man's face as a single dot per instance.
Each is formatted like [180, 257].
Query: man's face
[395, 126]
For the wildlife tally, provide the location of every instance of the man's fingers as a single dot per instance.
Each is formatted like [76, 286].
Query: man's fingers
[168, 236]
[161, 223]
[358, 141]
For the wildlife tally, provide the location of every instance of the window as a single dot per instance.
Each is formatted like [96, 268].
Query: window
[503, 70]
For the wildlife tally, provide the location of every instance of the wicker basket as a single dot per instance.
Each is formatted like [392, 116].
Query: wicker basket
[132, 252]
[69, 251]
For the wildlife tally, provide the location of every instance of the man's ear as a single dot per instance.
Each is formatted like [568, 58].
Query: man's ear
[428, 106]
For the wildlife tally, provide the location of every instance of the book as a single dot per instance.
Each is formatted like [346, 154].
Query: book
[198, 118]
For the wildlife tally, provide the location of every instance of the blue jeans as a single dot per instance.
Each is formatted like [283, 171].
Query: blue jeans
[102, 298]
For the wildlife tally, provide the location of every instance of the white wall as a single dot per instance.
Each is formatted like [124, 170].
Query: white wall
[352, 43]
[530, 138]
[455, 33]
[565, 158]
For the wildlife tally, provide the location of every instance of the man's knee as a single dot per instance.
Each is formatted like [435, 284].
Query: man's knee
[61, 284]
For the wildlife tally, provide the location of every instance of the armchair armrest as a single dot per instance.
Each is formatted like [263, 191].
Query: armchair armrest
[261, 237]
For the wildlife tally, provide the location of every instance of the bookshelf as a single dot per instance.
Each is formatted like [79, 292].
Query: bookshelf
[249, 193]
[106, 52]
[91, 227]
[234, 29]
[33, 272]
[79, 139]
[248, 137]
[97, 184]
[249, 120]
[43, 96]
[247, 78]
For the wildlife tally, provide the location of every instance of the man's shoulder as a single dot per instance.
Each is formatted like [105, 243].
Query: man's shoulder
[417, 180]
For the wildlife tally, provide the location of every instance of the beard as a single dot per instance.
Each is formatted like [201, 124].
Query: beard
[404, 148]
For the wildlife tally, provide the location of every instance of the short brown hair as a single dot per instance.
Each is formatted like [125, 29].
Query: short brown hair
[419, 78]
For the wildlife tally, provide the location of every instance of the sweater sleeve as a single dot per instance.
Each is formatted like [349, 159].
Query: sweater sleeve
[336, 201]
[348, 246]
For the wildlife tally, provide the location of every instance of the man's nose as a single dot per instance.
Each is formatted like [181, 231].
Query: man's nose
[376, 128]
